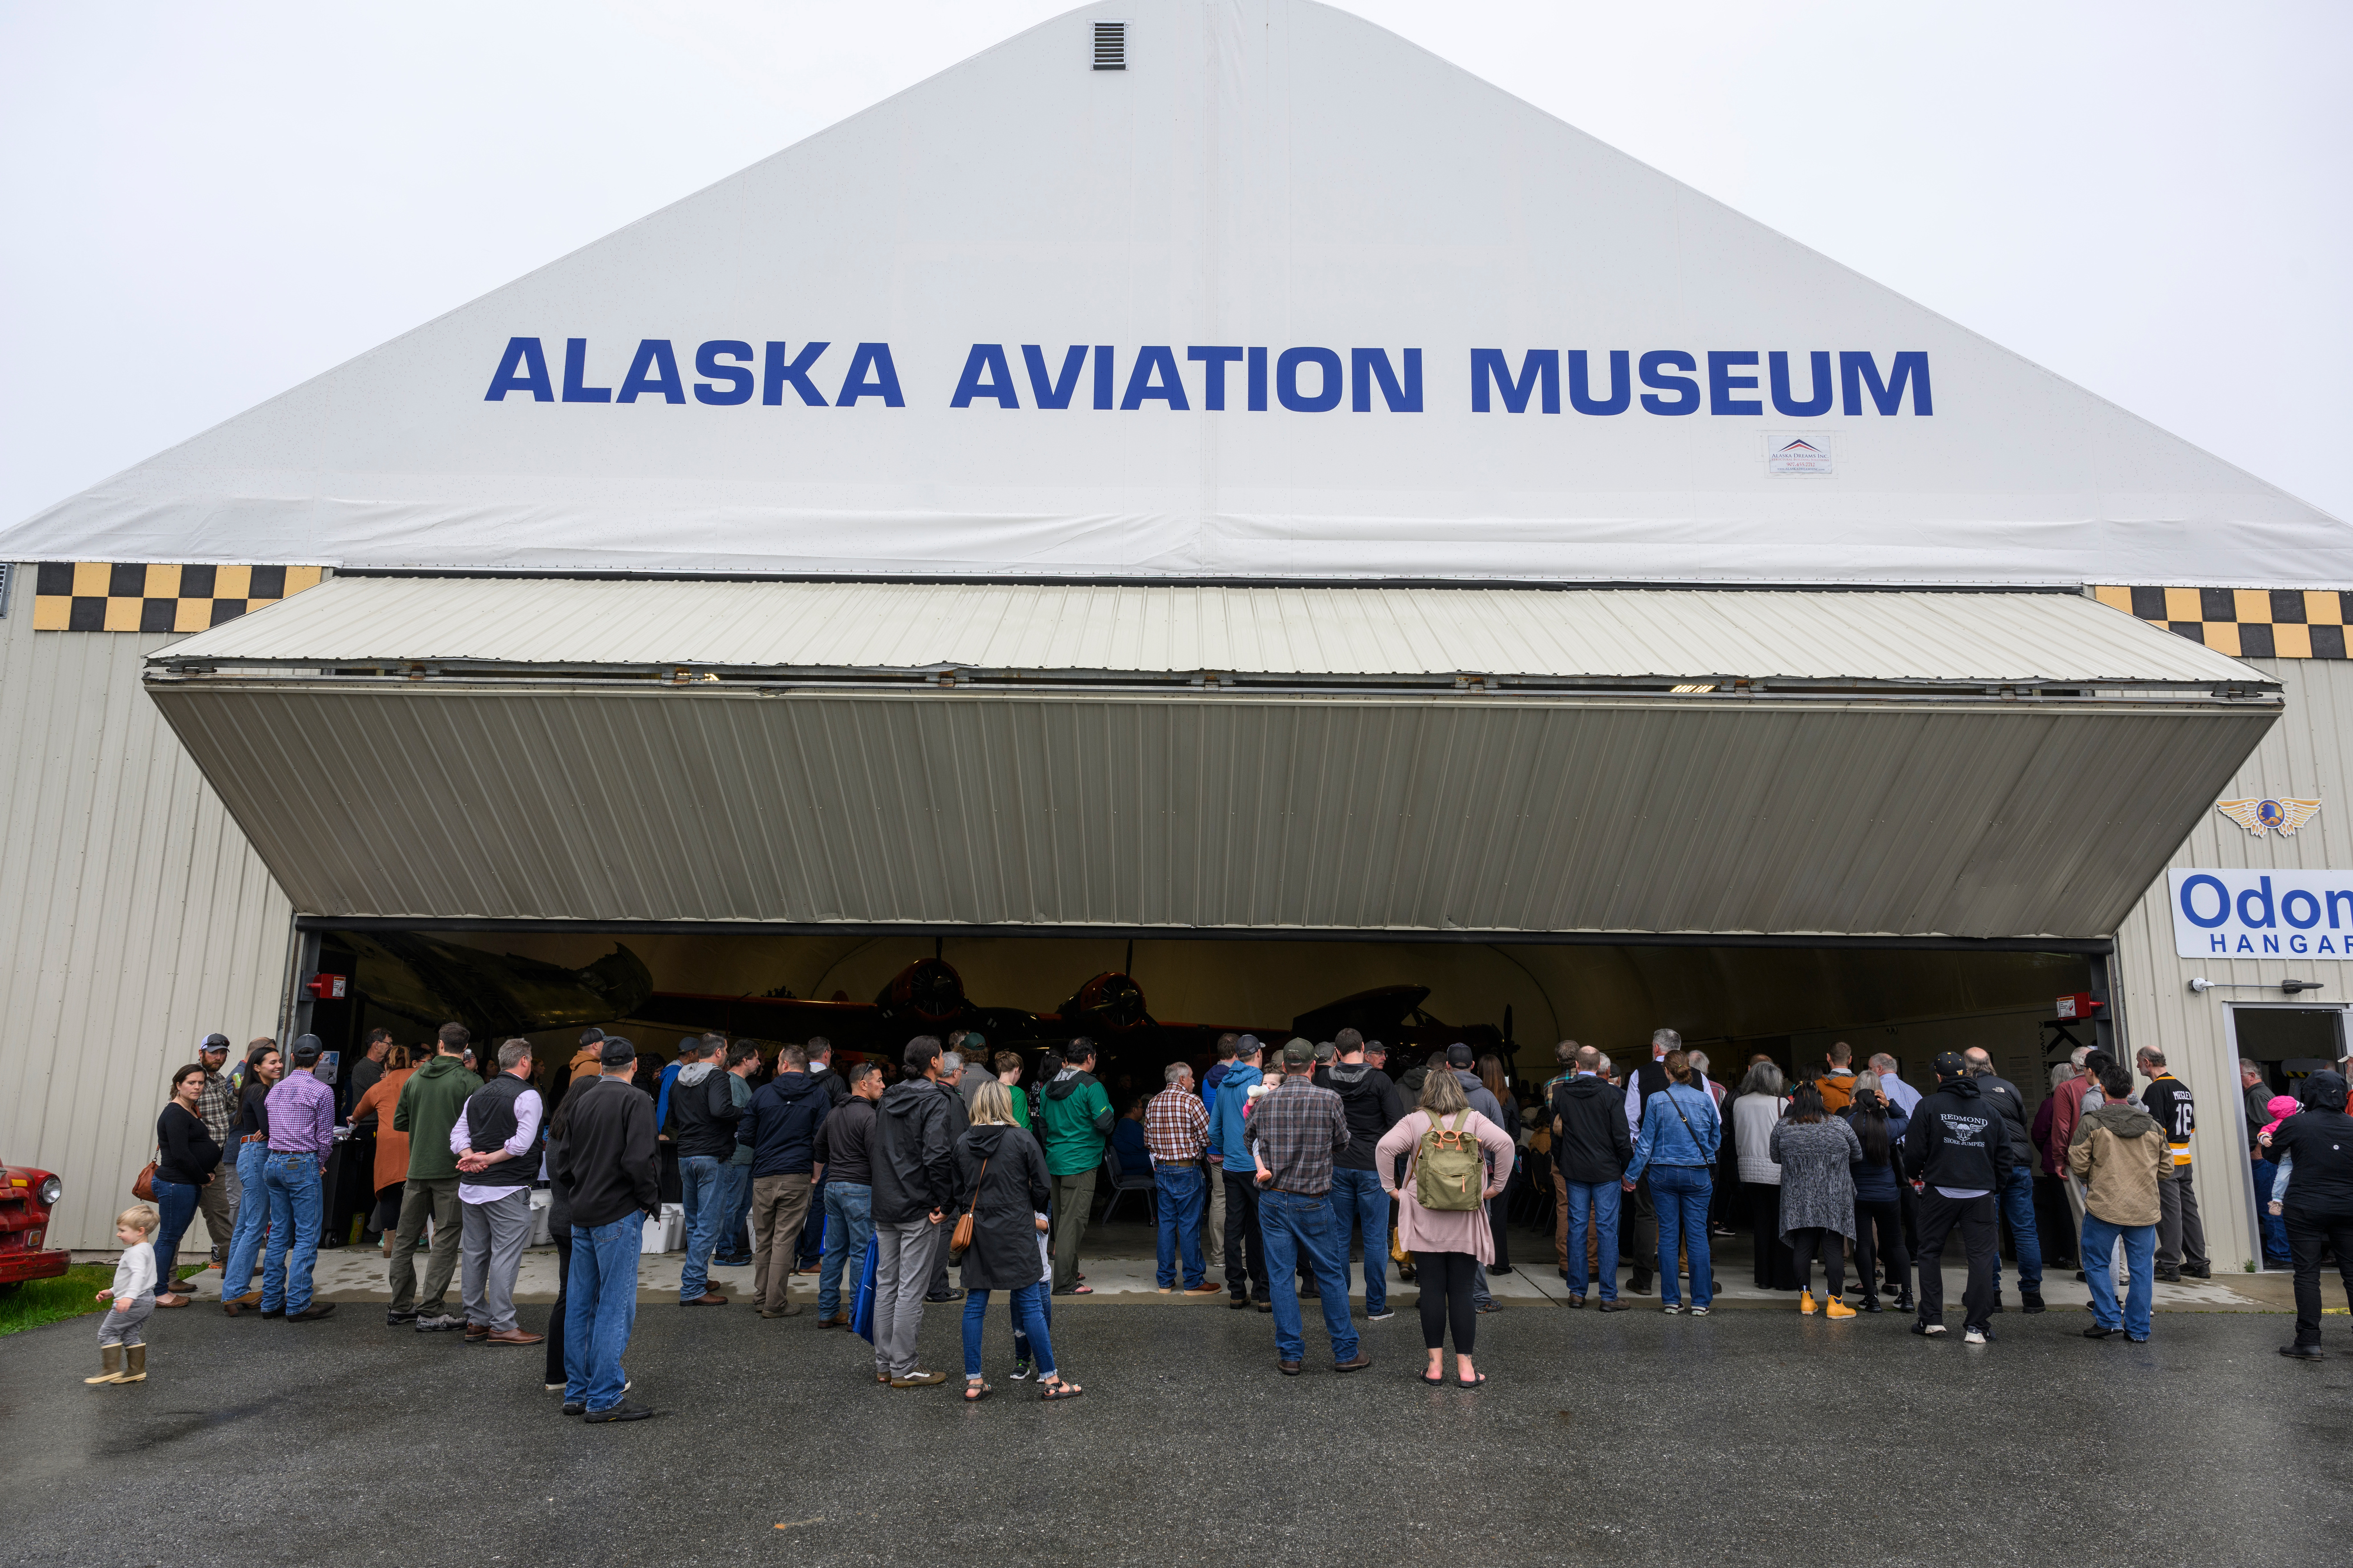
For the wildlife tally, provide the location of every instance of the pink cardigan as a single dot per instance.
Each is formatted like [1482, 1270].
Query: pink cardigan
[1429, 1230]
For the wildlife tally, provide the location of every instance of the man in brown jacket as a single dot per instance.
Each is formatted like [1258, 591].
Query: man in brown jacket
[2119, 1154]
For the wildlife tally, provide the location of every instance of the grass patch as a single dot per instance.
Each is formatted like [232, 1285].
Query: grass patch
[72, 1294]
[67, 1295]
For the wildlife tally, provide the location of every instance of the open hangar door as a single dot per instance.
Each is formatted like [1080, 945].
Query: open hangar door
[1151, 997]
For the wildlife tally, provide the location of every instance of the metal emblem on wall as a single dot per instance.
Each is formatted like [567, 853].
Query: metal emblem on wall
[2266, 815]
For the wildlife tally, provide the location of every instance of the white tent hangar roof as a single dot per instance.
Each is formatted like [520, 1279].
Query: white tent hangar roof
[1286, 298]
[1155, 632]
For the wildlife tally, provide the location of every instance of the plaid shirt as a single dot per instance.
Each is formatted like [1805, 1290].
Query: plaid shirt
[216, 1106]
[1296, 1129]
[1174, 1126]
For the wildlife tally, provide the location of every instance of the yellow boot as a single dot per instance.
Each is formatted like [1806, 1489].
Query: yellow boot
[109, 1359]
[1834, 1307]
[1806, 1302]
[134, 1368]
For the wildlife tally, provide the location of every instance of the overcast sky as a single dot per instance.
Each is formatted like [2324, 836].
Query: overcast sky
[206, 203]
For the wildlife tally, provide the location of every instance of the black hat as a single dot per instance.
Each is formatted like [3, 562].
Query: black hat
[590, 1037]
[212, 1043]
[2325, 1089]
[307, 1050]
[1951, 1064]
[1298, 1053]
[1458, 1055]
[617, 1052]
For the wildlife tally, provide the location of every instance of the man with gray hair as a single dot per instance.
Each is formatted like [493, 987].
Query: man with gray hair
[953, 1075]
[1892, 1086]
[497, 1142]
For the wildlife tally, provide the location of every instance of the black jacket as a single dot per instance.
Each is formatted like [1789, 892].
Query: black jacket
[913, 1154]
[845, 1144]
[780, 1124]
[605, 1158]
[1004, 1205]
[1373, 1106]
[703, 1115]
[1594, 1143]
[2322, 1143]
[1958, 1139]
[835, 1087]
[2004, 1095]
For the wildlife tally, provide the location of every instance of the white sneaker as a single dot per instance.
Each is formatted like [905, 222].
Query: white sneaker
[1699, 1312]
[1974, 1337]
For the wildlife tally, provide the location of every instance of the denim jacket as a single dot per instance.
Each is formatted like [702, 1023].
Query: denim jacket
[1665, 1139]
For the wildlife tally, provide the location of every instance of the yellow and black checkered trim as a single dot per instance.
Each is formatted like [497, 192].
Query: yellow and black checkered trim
[2245, 623]
[111, 596]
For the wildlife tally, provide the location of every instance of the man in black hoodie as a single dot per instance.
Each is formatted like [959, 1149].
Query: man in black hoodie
[780, 1128]
[605, 1163]
[837, 1091]
[1373, 1106]
[1592, 1145]
[1959, 1150]
[2016, 1198]
[914, 1192]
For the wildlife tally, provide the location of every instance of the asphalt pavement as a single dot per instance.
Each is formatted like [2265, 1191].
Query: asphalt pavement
[1747, 1437]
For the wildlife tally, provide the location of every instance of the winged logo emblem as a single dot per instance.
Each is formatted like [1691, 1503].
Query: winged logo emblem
[2261, 815]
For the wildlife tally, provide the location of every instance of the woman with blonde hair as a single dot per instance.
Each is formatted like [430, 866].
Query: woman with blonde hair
[1002, 1186]
[1451, 1239]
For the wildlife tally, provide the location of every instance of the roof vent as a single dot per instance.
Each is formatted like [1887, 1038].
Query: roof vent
[1111, 46]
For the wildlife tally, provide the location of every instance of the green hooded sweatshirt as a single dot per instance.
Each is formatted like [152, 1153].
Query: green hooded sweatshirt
[429, 1105]
[1078, 1124]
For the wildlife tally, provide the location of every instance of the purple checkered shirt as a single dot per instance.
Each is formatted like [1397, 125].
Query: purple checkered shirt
[301, 1113]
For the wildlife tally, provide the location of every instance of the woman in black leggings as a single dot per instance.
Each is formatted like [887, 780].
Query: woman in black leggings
[1879, 1128]
[1448, 1243]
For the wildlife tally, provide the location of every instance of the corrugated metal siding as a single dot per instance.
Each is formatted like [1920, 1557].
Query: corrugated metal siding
[1273, 631]
[135, 917]
[976, 808]
[2308, 755]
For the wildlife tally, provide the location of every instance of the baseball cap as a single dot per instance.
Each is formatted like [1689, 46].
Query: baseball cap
[212, 1043]
[306, 1050]
[617, 1052]
[1247, 1045]
[590, 1037]
[1298, 1053]
[1458, 1055]
[1950, 1064]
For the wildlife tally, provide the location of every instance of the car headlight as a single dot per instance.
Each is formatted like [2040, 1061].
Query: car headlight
[50, 1191]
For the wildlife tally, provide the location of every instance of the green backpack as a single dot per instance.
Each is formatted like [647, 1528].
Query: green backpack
[1450, 1169]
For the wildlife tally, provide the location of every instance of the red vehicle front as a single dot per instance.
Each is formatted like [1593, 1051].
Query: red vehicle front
[25, 1205]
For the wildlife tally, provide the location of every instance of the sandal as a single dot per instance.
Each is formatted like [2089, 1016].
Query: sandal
[975, 1391]
[1479, 1381]
[1438, 1382]
[1057, 1389]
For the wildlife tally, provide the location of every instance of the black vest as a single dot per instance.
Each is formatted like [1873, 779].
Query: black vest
[491, 1121]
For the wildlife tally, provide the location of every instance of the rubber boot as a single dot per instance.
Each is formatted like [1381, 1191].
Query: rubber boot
[1806, 1302]
[135, 1364]
[1834, 1307]
[110, 1360]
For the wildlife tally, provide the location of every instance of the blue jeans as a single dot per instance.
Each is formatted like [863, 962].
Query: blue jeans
[1029, 1304]
[291, 1182]
[1594, 1204]
[600, 1308]
[1359, 1206]
[735, 1228]
[252, 1219]
[1180, 1222]
[849, 1226]
[2016, 1202]
[1296, 1227]
[1681, 1194]
[177, 1203]
[2274, 1227]
[2140, 1258]
[709, 1200]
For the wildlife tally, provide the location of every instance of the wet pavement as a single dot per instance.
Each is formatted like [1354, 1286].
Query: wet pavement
[1746, 1438]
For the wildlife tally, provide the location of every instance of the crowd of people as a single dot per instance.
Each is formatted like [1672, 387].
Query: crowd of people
[1268, 1172]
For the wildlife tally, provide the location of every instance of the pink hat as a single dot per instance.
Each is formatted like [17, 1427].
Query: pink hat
[2283, 1106]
